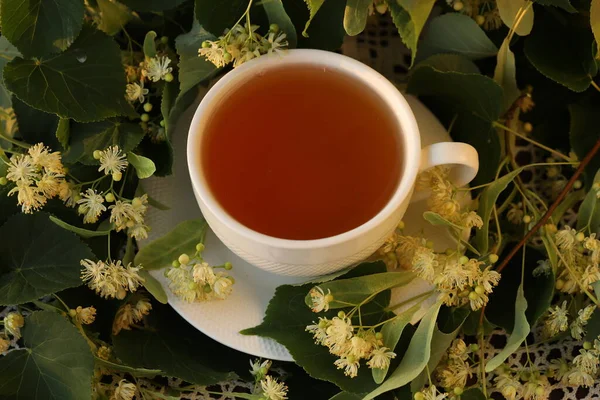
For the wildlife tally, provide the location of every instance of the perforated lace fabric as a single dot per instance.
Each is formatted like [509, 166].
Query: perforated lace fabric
[381, 48]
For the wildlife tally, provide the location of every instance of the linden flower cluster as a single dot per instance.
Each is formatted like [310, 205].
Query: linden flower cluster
[131, 313]
[583, 371]
[13, 322]
[484, 12]
[443, 198]
[579, 256]
[339, 336]
[151, 69]
[241, 44]
[508, 383]
[430, 393]
[268, 387]
[39, 176]
[454, 370]
[111, 279]
[557, 321]
[193, 279]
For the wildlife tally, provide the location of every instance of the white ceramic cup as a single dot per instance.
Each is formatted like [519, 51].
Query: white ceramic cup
[327, 255]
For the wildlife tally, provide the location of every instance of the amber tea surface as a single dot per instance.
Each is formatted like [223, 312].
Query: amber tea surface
[301, 153]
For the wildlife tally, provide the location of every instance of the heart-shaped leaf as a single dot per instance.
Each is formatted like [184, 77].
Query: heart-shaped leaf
[218, 16]
[355, 16]
[144, 167]
[55, 362]
[39, 28]
[410, 16]
[564, 4]
[588, 217]
[277, 15]
[154, 287]
[85, 83]
[37, 257]
[152, 5]
[7, 53]
[182, 239]
[114, 16]
[512, 11]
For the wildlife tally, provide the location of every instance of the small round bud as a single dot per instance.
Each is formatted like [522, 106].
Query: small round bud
[429, 244]
[449, 251]
[527, 127]
[341, 314]
[559, 284]
[207, 289]
[136, 202]
[322, 324]
[552, 172]
[227, 266]
[109, 197]
[227, 57]
[175, 264]
[351, 358]
[72, 313]
[473, 296]
[274, 28]
[121, 293]
[587, 345]
[550, 228]
[527, 219]
[162, 123]
[169, 77]
[192, 285]
[205, 44]
[577, 184]
[539, 391]
[381, 8]
[474, 347]
[263, 370]
[458, 5]
[479, 19]
[97, 154]
[164, 39]
[117, 176]
[328, 298]
[379, 336]
[148, 107]
[419, 396]
[479, 289]
[464, 293]
[493, 258]
[580, 237]
[3, 180]
[401, 225]
[463, 259]
[525, 375]
[458, 391]
[145, 117]
[199, 247]
[184, 259]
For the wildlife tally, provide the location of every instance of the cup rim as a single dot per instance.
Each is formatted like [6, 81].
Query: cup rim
[408, 132]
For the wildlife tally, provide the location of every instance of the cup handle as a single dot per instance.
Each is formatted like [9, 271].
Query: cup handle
[461, 157]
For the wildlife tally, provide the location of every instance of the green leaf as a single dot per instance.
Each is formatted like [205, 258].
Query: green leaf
[392, 331]
[313, 8]
[451, 318]
[473, 394]
[144, 167]
[508, 12]
[593, 325]
[595, 23]
[505, 74]
[458, 34]
[85, 83]
[562, 51]
[182, 239]
[37, 258]
[114, 16]
[451, 63]
[152, 5]
[347, 396]
[436, 219]
[63, 132]
[221, 15]
[176, 348]
[488, 199]
[519, 333]
[86, 233]
[7, 53]
[538, 289]
[149, 44]
[54, 363]
[471, 325]
[36, 126]
[277, 15]
[85, 138]
[193, 69]
[564, 4]
[588, 216]
[39, 28]
[154, 287]
[416, 357]
[355, 16]
[410, 16]
[584, 132]
[286, 319]
[168, 99]
[356, 290]
[137, 372]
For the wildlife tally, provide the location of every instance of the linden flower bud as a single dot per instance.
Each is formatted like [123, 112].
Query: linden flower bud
[463, 259]
[458, 5]
[121, 293]
[479, 290]
[274, 28]
[473, 296]
[169, 77]
[580, 237]
[184, 259]
[4, 345]
[458, 391]
[559, 284]
[526, 219]
[227, 57]
[164, 39]
[401, 225]
[474, 347]
[13, 322]
[97, 154]
[577, 184]
[162, 123]
[145, 117]
[587, 345]
[3, 181]
[539, 391]
[228, 266]
[419, 396]
[117, 176]
[493, 258]
[527, 127]
[479, 19]
[175, 264]
[109, 197]
[341, 314]
[148, 107]
[205, 44]
[199, 247]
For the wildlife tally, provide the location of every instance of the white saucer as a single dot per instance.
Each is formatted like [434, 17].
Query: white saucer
[245, 308]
